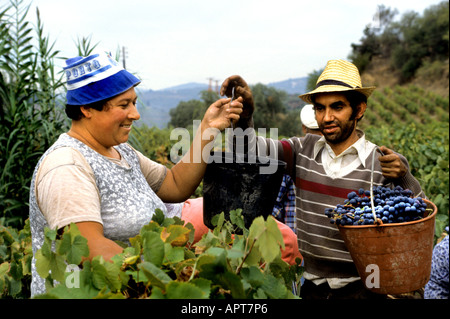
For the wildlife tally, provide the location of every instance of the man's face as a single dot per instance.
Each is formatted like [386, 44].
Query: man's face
[334, 117]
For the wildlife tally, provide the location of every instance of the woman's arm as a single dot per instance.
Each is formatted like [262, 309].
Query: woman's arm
[98, 244]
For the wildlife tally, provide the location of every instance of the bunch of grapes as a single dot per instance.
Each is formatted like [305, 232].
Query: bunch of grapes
[391, 206]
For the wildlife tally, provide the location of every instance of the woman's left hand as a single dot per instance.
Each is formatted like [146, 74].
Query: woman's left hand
[220, 113]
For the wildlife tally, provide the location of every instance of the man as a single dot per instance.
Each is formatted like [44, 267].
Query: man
[325, 169]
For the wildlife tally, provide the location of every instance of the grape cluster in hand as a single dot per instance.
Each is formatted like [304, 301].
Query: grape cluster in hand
[391, 206]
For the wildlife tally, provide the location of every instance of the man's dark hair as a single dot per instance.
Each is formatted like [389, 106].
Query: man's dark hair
[355, 98]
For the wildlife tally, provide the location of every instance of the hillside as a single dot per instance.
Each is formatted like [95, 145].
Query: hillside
[432, 77]
[423, 100]
[155, 105]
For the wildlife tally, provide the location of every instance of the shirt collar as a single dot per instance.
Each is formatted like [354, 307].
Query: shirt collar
[359, 147]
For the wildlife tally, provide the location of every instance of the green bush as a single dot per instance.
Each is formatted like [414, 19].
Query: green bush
[427, 149]
[15, 262]
[162, 263]
[30, 113]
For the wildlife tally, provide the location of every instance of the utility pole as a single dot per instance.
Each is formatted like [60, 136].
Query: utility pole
[124, 56]
[210, 84]
[210, 87]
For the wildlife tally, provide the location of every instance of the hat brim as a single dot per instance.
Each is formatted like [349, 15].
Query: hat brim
[307, 97]
[103, 89]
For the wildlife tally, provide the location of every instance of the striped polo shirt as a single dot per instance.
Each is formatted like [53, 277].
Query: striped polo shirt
[320, 242]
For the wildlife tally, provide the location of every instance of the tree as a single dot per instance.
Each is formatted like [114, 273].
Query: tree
[312, 79]
[269, 103]
[371, 43]
[186, 112]
[408, 43]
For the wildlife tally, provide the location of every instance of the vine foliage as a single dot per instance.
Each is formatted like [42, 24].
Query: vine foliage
[162, 262]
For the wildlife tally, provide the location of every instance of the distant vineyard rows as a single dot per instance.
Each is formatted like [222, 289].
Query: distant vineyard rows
[407, 105]
[415, 123]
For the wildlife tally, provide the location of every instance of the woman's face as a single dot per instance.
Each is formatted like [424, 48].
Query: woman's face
[112, 126]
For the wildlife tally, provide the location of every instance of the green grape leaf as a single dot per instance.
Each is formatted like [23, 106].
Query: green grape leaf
[184, 290]
[105, 274]
[155, 275]
[153, 248]
[203, 284]
[74, 247]
[173, 254]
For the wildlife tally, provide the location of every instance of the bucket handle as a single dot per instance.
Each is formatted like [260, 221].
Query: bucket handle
[376, 220]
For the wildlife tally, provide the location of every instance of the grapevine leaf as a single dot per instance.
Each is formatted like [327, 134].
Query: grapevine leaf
[158, 216]
[74, 247]
[64, 292]
[253, 276]
[105, 274]
[218, 220]
[256, 228]
[50, 233]
[232, 282]
[210, 266]
[254, 257]
[42, 264]
[58, 267]
[164, 234]
[205, 242]
[184, 290]
[203, 284]
[237, 218]
[267, 246]
[260, 294]
[235, 252]
[109, 295]
[15, 286]
[16, 270]
[52, 262]
[4, 268]
[191, 233]
[155, 275]
[177, 235]
[153, 248]
[157, 293]
[215, 251]
[136, 243]
[274, 231]
[274, 288]
[173, 254]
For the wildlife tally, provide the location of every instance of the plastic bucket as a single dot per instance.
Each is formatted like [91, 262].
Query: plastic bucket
[393, 258]
[239, 181]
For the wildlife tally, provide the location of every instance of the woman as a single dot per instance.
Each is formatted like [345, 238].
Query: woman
[93, 178]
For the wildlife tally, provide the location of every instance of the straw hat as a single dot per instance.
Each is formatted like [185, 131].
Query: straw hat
[338, 75]
[308, 117]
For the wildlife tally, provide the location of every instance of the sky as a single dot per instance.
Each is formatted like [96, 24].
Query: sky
[172, 42]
